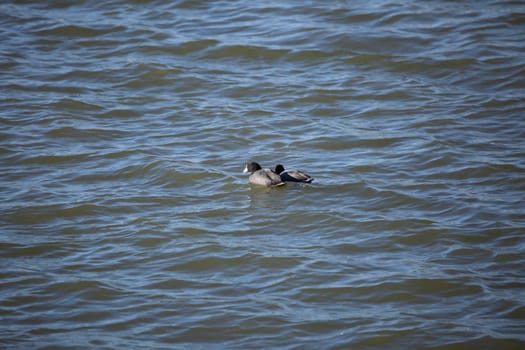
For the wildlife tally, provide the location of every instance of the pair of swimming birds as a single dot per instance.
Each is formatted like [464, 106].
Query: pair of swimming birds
[272, 178]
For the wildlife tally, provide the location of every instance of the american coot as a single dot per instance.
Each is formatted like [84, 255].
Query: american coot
[293, 175]
[263, 177]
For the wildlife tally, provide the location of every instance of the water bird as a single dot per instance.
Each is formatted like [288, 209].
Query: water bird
[292, 175]
[263, 177]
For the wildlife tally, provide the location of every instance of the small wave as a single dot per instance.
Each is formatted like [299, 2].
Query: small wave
[77, 31]
[338, 144]
[73, 104]
[245, 52]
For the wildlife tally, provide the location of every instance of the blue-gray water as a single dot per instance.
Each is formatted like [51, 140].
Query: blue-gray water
[126, 222]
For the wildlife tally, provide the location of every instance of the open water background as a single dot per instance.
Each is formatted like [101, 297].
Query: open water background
[126, 222]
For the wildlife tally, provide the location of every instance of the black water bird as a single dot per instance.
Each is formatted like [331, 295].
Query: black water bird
[292, 175]
[263, 177]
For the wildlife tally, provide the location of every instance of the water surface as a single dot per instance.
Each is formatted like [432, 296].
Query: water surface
[126, 221]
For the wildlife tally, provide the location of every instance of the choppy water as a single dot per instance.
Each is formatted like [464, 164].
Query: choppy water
[126, 222]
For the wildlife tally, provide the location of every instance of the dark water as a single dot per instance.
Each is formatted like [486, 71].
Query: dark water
[126, 222]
